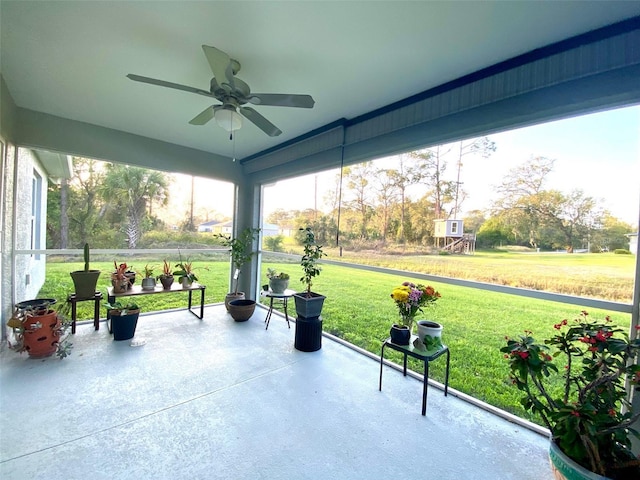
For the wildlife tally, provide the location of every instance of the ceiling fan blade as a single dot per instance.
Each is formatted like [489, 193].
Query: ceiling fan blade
[203, 117]
[282, 100]
[221, 65]
[162, 83]
[259, 121]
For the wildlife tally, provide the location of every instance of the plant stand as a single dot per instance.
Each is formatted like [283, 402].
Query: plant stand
[73, 300]
[308, 334]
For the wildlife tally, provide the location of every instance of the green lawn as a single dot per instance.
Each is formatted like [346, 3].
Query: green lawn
[359, 309]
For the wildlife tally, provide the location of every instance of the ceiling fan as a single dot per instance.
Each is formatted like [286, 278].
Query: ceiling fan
[232, 93]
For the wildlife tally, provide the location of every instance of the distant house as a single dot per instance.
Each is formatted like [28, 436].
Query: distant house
[207, 226]
[270, 230]
[633, 242]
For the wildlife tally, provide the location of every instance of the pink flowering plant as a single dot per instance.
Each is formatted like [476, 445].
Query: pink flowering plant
[410, 299]
[591, 420]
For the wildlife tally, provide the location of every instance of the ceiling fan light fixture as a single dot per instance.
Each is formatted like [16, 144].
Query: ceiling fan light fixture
[228, 118]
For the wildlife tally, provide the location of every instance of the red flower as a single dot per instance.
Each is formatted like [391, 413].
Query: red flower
[523, 355]
[575, 414]
[612, 412]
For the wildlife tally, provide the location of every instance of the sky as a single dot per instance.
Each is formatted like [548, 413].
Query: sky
[598, 153]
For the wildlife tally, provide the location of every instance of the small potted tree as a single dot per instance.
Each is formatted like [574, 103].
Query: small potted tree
[241, 253]
[309, 304]
[166, 277]
[85, 281]
[590, 419]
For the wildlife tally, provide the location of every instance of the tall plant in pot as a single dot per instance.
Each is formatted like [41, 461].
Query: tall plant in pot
[590, 418]
[240, 252]
[308, 336]
[85, 281]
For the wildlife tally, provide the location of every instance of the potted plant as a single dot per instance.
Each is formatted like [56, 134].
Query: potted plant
[149, 281]
[308, 336]
[85, 281]
[185, 273]
[40, 330]
[278, 281]
[411, 298]
[240, 252]
[166, 277]
[589, 419]
[124, 319]
[119, 279]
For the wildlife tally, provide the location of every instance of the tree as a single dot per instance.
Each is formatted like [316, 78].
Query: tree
[83, 211]
[411, 171]
[386, 195]
[358, 180]
[133, 189]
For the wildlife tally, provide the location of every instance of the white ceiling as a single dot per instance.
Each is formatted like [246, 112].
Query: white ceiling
[71, 58]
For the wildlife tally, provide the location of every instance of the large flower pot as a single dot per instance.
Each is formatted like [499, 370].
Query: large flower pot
[241, 310]
[309, 305]
[430, 334]
[564, 468]
[278, 285]
[124, 326]
[231, 297]
[41, 333]
[85, 283]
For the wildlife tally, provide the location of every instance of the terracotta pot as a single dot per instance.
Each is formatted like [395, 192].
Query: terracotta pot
[231, 297]
[41, 334]
[241, 310]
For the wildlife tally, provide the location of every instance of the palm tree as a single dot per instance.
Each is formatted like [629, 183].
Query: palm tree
[133, 189]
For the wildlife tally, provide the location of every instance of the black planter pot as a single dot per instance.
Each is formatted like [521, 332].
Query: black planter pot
[124, 326]
[308, 334]
[309, 305]
[400, 335]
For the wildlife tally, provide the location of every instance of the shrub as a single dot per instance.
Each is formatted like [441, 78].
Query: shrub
[622, 251]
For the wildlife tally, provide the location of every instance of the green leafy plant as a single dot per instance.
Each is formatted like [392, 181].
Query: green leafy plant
[148, 271]
[185, 270]
[591, 421]
[273, 274]
[121, 308]
[239, 250]
[309, 261]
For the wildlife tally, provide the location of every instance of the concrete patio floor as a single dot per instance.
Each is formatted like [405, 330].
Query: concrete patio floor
[216, 399]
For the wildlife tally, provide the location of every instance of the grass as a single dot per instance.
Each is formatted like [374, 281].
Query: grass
[359, 310]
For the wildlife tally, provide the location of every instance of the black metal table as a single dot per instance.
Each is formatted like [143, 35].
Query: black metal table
[175, 288]
[425, 355]
[283, 297]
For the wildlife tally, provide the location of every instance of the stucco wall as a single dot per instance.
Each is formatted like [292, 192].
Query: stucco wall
[29, 269]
